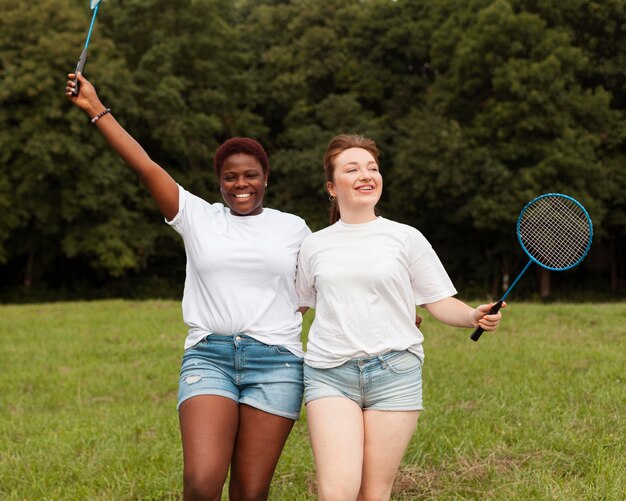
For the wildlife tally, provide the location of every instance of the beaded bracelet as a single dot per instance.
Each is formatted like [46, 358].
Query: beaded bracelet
[100, 115]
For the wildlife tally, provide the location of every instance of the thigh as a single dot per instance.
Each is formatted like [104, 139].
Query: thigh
[336, 432]
[259, 443]
[387, 435]
[208, 426]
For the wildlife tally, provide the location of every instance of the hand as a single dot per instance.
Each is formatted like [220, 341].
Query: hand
[87, 98]
[418, 320]
[482, 318]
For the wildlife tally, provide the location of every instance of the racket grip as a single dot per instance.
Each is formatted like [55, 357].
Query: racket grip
[79, 69]
[479, 330]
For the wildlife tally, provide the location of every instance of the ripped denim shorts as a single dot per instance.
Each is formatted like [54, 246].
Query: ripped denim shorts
[245, 370]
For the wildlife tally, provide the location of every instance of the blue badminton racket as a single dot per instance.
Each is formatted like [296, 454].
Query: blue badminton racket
[555, 232]
[83, 56]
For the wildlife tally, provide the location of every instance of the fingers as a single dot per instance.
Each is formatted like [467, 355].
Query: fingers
[489, 321]
[418, 321]
[71, 84]
[79, 90]
[69, 87]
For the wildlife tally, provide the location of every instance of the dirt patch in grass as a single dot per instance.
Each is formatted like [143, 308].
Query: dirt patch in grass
[469, 474]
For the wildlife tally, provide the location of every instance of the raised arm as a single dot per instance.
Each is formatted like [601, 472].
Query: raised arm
[162, 187]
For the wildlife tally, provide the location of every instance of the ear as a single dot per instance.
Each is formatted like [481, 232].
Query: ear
[330, 188]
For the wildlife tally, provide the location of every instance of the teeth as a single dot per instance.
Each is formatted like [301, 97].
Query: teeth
[244, 195]
[366, 188]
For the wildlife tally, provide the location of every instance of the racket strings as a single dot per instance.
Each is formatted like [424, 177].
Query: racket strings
[557, 236]
[555, 231]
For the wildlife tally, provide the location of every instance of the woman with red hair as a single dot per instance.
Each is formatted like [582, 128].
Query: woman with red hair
[240, 386]
[364, 275]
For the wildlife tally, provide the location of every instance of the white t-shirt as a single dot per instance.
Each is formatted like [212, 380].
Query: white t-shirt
[364, 281]
[241, 272]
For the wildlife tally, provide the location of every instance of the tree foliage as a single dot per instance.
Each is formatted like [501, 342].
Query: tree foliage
[477, 105]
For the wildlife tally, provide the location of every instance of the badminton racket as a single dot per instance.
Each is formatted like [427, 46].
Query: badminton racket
[83, 56]
[555, 232]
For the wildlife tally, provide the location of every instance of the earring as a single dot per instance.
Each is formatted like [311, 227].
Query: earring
[331, 198]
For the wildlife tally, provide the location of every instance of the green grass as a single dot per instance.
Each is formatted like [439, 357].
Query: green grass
[536, 411]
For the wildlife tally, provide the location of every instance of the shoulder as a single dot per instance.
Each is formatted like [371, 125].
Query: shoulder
[399, 227]
[288, 225]
[317, 238]
[192, 207]
[197, 201]
[408, 234]
[290, 222]
[406, 229]
[277, 215]
[323, 233]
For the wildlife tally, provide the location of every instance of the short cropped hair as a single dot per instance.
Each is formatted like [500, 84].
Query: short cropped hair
[240, 145]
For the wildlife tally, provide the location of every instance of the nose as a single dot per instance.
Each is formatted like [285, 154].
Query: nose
[241, 182]
[364, 174]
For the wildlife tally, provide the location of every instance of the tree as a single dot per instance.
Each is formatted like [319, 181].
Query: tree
[514, 84]
[599, 30]
[60, 178]
[190, 81]
[301, 57]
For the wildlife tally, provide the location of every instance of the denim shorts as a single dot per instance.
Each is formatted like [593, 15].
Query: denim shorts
[245, 370]
[388, 382]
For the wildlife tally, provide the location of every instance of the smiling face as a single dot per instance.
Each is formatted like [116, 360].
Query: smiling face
[242, 184]
[357, 184]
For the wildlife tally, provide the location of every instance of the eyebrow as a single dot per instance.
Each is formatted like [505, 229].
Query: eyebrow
[245, 172]
[357, 163]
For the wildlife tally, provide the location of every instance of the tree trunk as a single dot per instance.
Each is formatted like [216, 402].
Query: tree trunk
[28, 274]
[500, 283]
[613, 265]
[544, 283]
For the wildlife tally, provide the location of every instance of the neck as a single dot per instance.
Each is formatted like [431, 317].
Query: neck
[357, 217]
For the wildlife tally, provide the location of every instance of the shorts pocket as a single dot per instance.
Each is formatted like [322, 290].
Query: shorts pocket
[281, 350]
[403, 362]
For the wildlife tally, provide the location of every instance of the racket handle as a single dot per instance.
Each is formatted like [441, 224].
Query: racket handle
[479, 330]
[79, 69]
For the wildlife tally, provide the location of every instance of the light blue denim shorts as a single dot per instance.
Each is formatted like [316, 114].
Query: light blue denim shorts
[388, 382]
[245, 370]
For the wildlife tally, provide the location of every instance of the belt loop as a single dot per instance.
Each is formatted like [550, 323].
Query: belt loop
[383, 363]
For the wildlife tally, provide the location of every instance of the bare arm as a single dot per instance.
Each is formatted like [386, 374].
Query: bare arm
[456, 313]
[162, 187]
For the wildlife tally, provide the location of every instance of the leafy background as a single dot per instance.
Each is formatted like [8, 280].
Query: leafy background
[477, 105]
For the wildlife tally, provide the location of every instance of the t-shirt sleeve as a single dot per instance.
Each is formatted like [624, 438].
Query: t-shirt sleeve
[304, 230]
[180, 222]
[429, 280]
[193, 212]
[304, 280]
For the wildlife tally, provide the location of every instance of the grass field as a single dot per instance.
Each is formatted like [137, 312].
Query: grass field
[537, 411]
